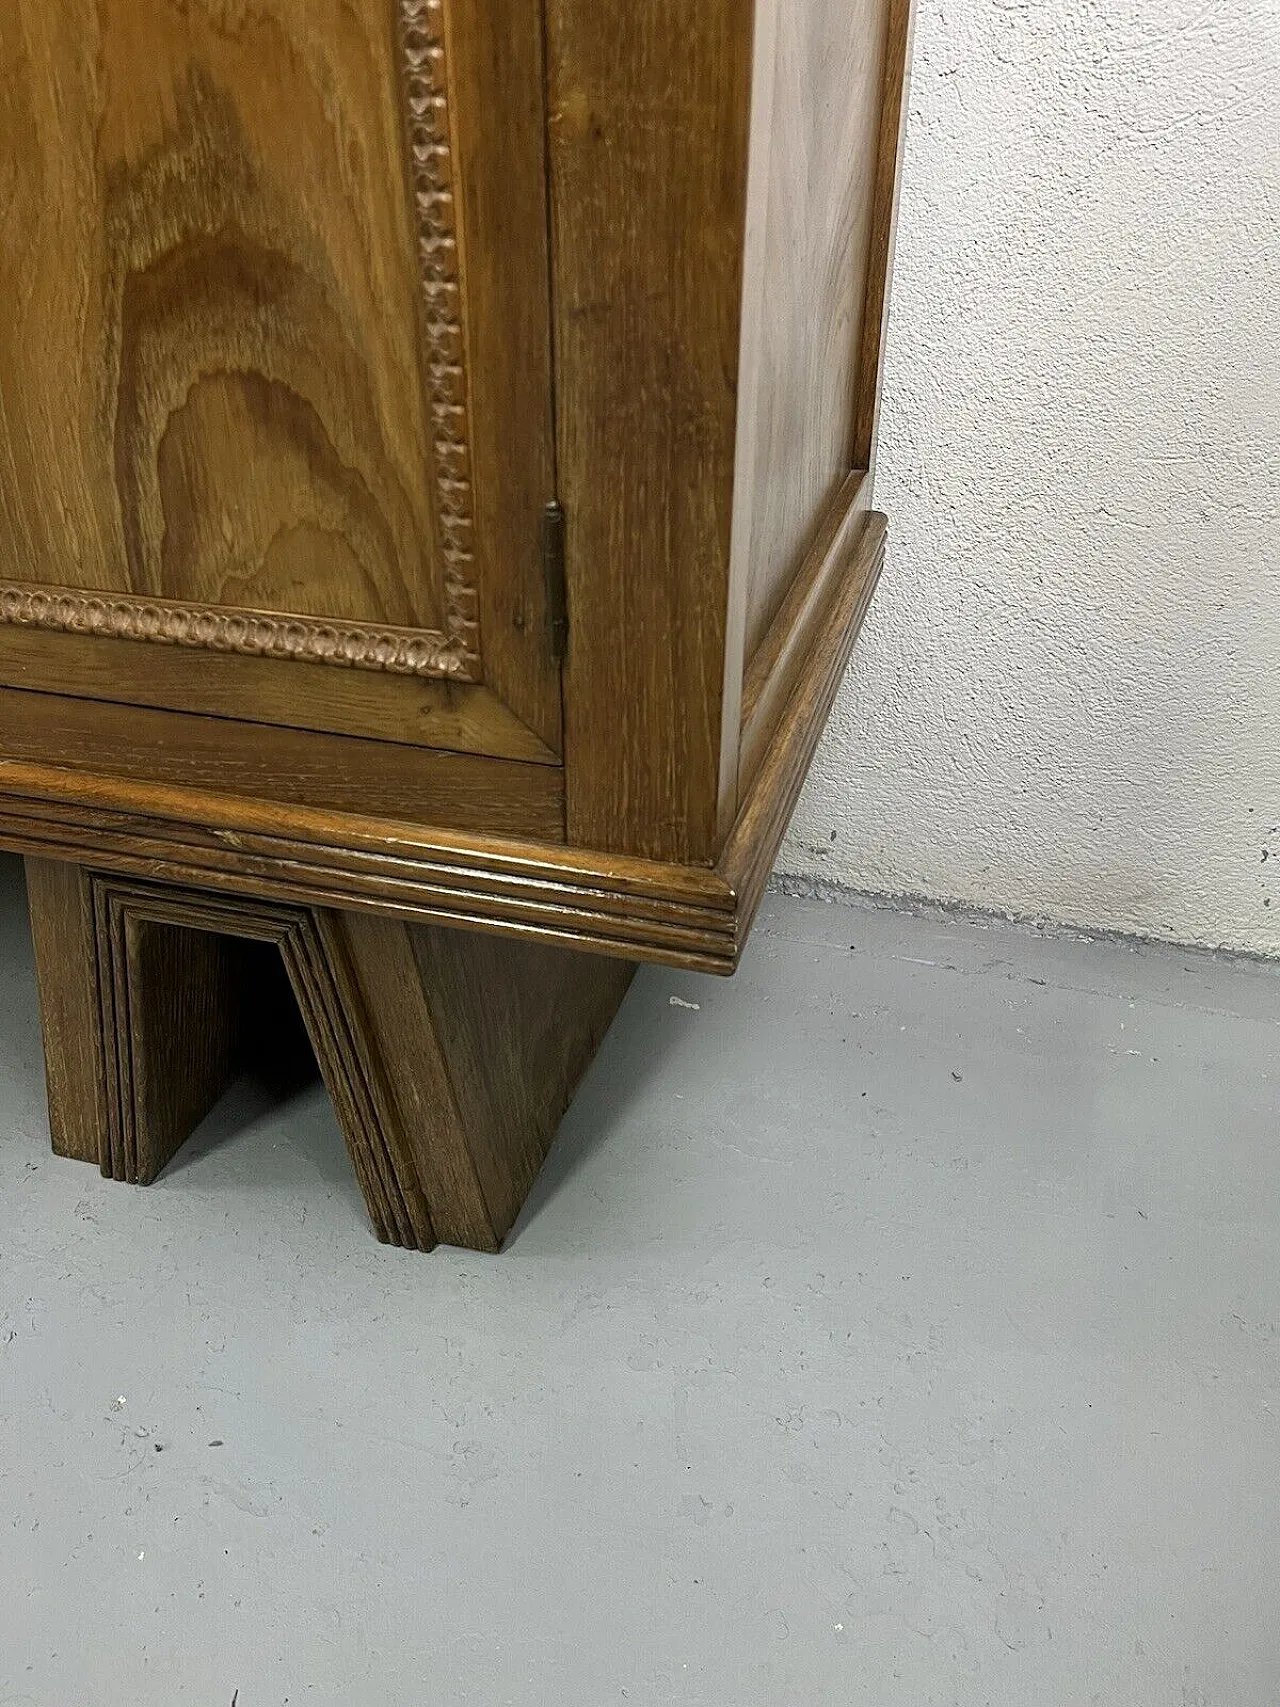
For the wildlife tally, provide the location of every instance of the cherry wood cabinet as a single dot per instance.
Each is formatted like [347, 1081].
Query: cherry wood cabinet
[436, 453]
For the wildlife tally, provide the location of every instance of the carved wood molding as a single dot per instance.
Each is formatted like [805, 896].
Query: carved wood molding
[424, 52]
[254, 634]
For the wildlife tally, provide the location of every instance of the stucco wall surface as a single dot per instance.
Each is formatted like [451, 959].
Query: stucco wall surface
[1066, 703]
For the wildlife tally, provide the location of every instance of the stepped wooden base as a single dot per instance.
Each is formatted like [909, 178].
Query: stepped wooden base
[450, 1056]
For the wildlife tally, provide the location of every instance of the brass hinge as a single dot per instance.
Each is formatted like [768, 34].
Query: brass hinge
[554, 578]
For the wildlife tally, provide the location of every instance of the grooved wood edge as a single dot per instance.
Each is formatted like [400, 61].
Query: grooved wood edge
[750, 851]
[771, 673]
[690, 916]
[315, 964]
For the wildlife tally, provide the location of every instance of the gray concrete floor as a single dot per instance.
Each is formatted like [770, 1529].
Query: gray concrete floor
[896, 1326]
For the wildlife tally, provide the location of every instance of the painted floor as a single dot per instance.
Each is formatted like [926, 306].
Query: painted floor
[897, 1325]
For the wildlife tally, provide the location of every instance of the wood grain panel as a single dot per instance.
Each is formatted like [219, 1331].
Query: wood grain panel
[347, 775]
[819, 86]
[210, 377]
[649, 106]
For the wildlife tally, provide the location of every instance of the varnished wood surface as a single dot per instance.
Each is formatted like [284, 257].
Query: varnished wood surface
[780, 658]
[64, 939]
[450, 1058]
[609, 904]
[716, 237]
[347, 775]
[277, 336]
[172, 1007]
[649, 108]
[519, 1023]
[453, 716]
[209, 246]
[889, 146]
[172, 1037]
[749, 854]
[499, 106]
[676, 392]
[809, 240]
[485, 1041]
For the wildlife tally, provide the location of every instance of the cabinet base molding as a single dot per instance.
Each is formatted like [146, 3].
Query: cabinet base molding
[450, 1057]
[693, 916]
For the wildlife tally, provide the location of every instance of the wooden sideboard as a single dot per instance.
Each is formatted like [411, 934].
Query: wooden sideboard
[436, 456]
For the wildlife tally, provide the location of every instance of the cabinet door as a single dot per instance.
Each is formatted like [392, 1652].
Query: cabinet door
[275, 406]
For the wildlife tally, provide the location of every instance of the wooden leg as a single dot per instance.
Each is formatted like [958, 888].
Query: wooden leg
[143, 1021]
[450, 1056]
[482, 1042]
[173, 1033]
[60, 901]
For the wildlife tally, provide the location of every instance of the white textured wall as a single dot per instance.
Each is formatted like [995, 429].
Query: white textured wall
[1067, 700]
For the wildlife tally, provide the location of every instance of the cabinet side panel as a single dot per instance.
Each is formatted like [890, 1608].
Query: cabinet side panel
[820, 79]
[649, 108]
